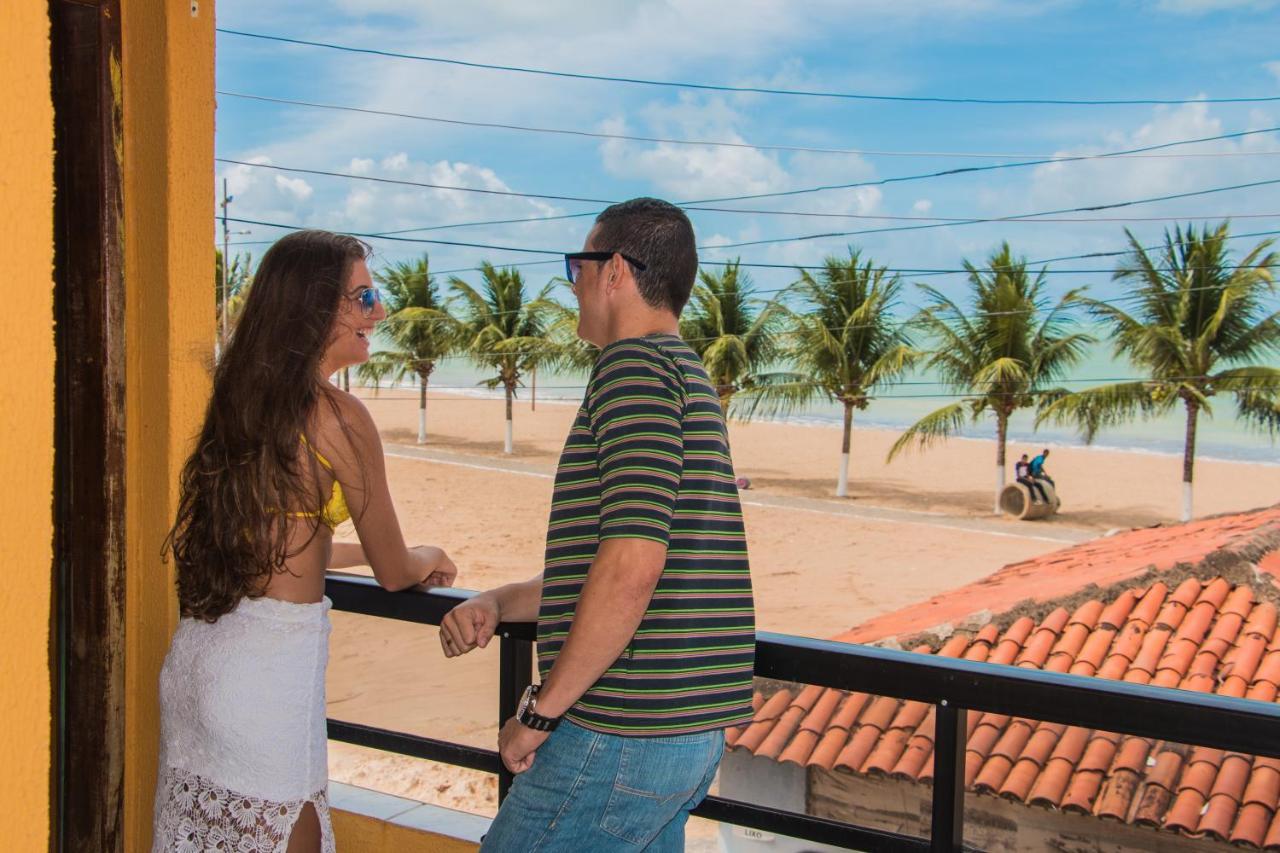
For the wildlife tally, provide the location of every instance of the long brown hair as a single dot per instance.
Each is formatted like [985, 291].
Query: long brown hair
[246, 469]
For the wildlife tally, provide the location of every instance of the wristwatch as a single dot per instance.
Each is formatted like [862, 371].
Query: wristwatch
[528, 716]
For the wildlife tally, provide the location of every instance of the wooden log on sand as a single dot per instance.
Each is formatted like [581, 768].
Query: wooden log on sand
[1016, 501]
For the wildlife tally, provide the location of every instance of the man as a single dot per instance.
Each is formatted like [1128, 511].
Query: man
[646, 629]
[1022, 473]
[1037, 467]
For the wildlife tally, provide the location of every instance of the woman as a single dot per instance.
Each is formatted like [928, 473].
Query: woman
[283, 458]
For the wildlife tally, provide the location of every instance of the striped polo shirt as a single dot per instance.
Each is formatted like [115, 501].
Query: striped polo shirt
[648, 458]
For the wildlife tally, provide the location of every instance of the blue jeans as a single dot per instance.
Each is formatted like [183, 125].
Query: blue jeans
[588, 791]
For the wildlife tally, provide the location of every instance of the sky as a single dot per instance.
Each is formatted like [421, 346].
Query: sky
[1192, 50]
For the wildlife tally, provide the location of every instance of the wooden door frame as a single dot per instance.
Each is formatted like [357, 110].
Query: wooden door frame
[88, 652]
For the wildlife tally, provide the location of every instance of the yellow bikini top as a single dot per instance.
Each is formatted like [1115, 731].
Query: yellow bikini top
[335, 510]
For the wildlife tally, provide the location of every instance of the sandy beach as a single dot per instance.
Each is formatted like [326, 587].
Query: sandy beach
[820, 565]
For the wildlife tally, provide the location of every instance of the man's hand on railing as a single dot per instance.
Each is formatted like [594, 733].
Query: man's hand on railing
[471, 624]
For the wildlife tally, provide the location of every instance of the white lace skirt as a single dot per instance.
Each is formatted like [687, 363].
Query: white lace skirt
[242, 729]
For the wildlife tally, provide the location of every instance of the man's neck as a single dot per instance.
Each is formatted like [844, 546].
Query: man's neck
[643, 325]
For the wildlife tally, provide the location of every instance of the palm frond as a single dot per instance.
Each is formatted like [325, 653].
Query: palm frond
[1091, 409]
[934, 427]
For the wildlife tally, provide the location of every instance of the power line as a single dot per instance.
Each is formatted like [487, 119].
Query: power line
[811, 267]
[488, 246]
[400, 182]
[758, 90]
[862, 152]
[723, 246]
[905, 382]
[971, 169]
[383, 236]
[693, 204]
[1084, 209]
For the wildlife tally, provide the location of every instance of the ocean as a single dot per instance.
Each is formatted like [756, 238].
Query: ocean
[897, 407]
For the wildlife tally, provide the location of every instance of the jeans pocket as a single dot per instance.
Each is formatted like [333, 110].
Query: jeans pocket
[656, 778]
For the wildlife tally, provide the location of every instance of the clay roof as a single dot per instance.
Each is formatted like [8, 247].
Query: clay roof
[1199, 614]
[1227, 541]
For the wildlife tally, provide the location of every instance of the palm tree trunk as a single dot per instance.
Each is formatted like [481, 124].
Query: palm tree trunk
[346, 379]
[842, 485]
[533, 393]
[507, 447]
[1189, 458]
[422, 408]
[1002, 435]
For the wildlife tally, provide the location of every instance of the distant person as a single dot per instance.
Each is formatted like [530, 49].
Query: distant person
[283, 458]
[646, 627]
[1037, 469]
[1022, 472]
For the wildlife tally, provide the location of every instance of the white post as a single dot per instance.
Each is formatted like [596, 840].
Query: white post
[842, 486]
[1186, 501]
[507, 446]
[999, 487]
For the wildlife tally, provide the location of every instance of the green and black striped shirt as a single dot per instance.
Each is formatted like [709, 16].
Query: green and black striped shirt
[648, 457]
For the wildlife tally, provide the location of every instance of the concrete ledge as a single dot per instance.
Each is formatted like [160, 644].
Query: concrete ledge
[367, 821]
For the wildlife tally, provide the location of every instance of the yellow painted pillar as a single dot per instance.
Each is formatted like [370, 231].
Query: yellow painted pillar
[26, 425]
[169, 332]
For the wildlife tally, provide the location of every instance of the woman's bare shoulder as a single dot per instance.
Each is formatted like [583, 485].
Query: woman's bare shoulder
[341, 419]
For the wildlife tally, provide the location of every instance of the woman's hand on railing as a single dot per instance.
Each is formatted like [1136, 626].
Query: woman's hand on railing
[435, 566]
[470, 624]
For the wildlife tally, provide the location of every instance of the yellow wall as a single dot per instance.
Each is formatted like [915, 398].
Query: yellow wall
[169, 205]
[356, 833]
[26, 424]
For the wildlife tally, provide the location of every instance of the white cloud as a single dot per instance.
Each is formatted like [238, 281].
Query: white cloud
[922, 206]
[1274, 68]
[296, 187]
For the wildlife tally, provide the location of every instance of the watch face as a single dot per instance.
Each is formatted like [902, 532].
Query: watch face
[524, 702]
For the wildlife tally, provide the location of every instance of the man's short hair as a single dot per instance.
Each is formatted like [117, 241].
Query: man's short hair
[659, 235]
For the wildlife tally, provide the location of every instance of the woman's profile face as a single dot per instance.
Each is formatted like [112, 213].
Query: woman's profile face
[359, 312]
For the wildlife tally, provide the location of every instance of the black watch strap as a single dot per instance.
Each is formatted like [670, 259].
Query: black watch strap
[530, 718]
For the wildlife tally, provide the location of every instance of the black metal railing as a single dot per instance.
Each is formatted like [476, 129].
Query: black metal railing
[954, 687]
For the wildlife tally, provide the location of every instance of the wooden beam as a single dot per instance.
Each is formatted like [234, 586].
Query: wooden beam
[89, 488]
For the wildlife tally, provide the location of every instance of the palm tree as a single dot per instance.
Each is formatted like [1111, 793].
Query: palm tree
[1003, 352]
[735, 336]
[239, 277]
[1199, 329]
[505, 330]
[419, 327]
[841, 341]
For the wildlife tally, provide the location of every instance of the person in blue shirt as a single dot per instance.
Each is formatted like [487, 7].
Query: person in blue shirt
[1037, 468]
[1022, 473]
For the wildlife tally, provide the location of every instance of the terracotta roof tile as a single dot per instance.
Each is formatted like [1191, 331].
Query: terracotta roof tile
[858, 748]
[1272, 838]
[1251, 825]
[812, 727]
[1118, 610]
[887, 752]
[789, 722]
[1224, 798]
[1175, 609]
[1206, 634]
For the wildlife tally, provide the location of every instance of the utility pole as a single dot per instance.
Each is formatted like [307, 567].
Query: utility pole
[226, 262]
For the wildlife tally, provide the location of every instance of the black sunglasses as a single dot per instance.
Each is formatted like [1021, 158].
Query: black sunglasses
[573, 262]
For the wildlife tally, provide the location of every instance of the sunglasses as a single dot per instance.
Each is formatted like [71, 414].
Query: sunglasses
[368, 298]
[573, 262]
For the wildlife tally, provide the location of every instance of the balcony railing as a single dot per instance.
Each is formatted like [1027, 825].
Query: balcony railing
[954, 687]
